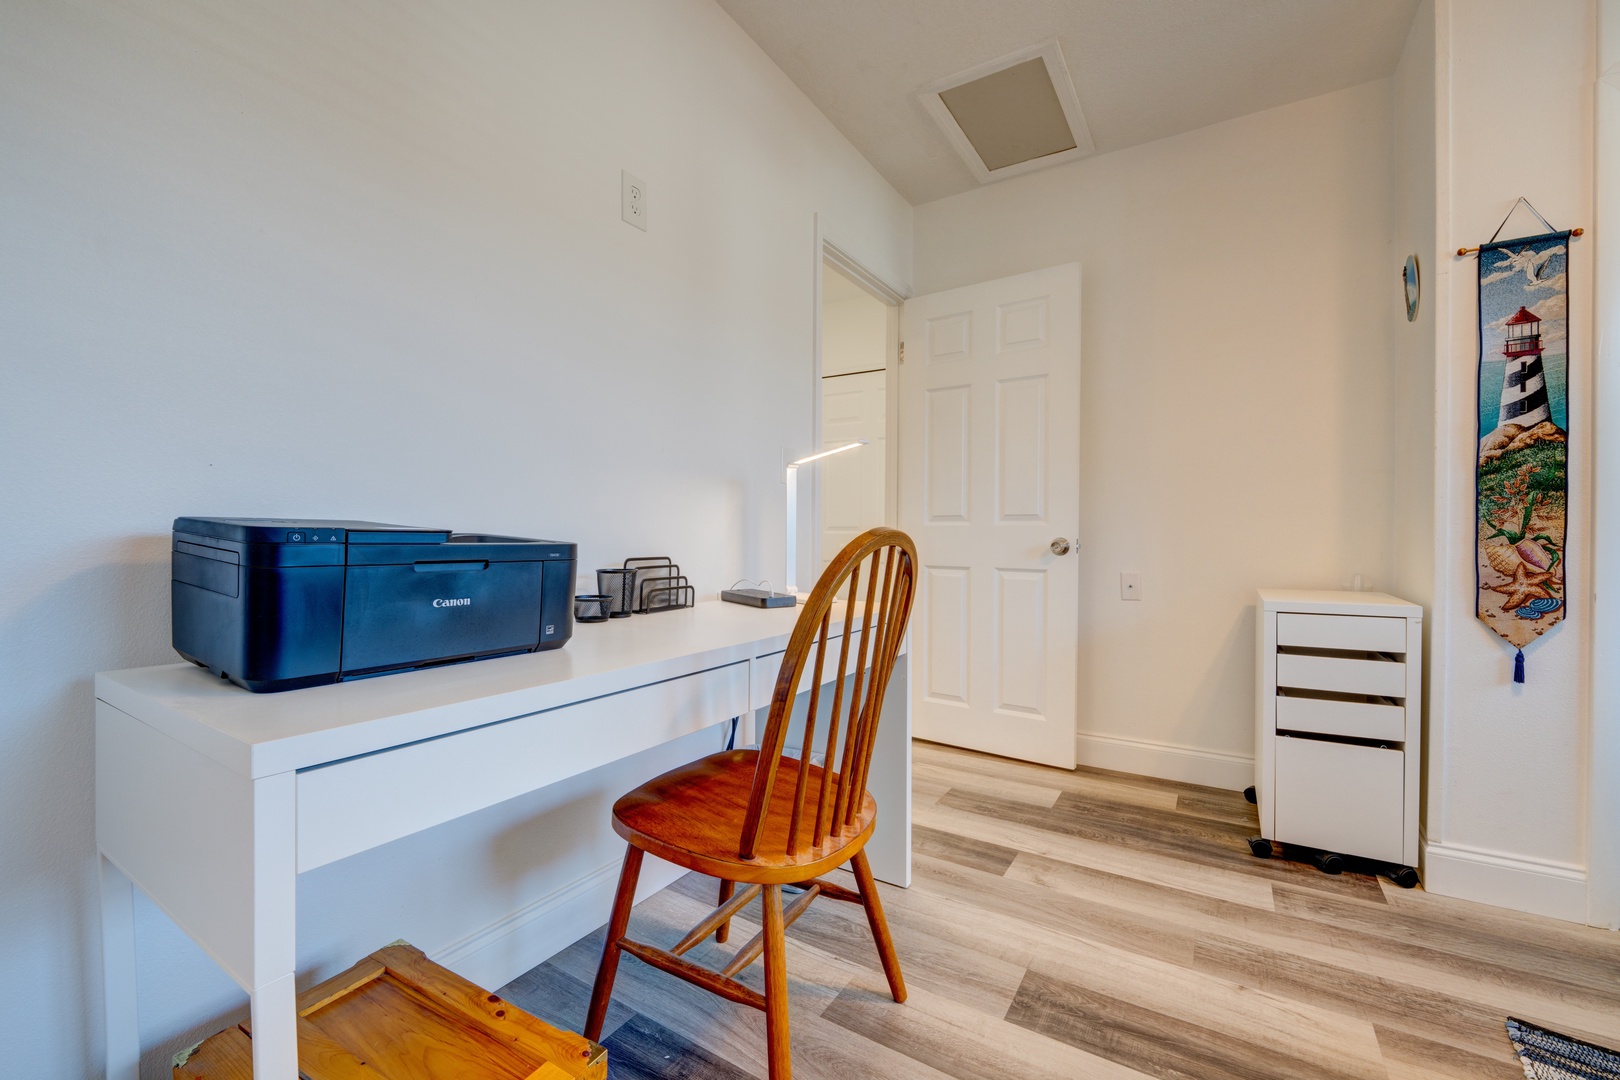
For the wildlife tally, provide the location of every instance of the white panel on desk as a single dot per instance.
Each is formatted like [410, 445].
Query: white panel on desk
[1356, 632]
[950, 337]
[1381, 678]
[769, 668]
[947, 454]
[1021, 641]
[149, 791]
[1352, 719]
[358, 804]
[1021, 325]
[946, 617]
[1340, 797]
[1021, 449]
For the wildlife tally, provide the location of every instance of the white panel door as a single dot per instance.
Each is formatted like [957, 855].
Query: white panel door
[852, 484]
[989, 478]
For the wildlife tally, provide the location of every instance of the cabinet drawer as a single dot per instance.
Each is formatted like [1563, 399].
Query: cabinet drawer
[1378, 678]
[1341, 797]
[1360, 632]
[1352, 719]
[355, 805]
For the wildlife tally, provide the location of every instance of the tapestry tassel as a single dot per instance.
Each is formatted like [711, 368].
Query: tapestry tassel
[1518, 667]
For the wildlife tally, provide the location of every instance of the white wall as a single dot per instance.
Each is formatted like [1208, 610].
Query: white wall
[1236, 429]
[365, 260]
[1508, 784]
[854, 334]
[1412, 343]
[1603, 809]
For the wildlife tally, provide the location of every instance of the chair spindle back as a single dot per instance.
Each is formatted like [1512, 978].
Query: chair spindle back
[874, 580]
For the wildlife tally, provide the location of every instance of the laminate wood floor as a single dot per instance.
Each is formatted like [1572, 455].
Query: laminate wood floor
[1065, 925]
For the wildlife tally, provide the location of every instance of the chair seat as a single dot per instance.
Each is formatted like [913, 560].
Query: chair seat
[692, 816]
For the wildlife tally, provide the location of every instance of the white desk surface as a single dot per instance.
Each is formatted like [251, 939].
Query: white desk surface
[1341, 603]
[263, 734]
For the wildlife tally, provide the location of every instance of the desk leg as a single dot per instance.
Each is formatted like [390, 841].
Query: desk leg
[889, 850]
[273, 999]
[118, 973]
[274, 1009]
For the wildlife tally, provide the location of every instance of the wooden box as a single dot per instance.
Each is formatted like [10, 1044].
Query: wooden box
[396, 1015]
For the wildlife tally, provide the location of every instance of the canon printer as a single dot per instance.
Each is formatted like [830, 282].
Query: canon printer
[275, 604]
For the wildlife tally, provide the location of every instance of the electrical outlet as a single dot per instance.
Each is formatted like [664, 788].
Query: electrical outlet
[633, 200]
[1130, 585]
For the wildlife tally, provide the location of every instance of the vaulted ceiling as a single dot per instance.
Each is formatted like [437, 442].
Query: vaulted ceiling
[1143, 69]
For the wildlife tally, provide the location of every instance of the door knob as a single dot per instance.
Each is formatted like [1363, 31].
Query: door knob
[1060, 546]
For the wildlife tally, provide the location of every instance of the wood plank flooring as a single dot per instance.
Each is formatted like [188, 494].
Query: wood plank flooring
[1086, 924]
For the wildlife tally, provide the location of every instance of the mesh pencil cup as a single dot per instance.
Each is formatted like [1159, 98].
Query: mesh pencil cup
[591, 607]
[619, 586]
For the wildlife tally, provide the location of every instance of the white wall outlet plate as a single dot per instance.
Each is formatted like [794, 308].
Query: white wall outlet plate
[633, 200]
[1130, 585]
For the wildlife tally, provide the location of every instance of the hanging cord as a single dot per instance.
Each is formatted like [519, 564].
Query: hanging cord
[1514, 207]
[1573, 232]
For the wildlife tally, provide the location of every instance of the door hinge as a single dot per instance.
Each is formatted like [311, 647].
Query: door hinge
[902, 352]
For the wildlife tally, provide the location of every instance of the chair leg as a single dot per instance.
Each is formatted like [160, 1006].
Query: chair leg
[618, 922]
[727, 888]
[779, 1048]
[879, 925]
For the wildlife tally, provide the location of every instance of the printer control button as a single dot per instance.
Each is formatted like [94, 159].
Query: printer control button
[294, 537]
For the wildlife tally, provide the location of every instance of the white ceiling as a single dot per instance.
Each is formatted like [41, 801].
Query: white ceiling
[1144, 69]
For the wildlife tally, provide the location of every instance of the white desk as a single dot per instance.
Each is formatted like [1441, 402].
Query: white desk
[268, 786]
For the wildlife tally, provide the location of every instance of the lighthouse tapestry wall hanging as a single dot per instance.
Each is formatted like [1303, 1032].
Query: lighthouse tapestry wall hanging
[1523, 441]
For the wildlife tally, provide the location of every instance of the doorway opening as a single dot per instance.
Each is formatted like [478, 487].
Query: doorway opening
[857, 360]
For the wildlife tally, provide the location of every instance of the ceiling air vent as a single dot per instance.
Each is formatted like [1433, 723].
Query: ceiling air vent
[1011, 115]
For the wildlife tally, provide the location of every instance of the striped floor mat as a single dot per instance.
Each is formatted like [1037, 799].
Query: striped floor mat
[1548, 1055]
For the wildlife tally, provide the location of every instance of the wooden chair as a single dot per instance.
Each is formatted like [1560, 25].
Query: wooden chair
[762, 819]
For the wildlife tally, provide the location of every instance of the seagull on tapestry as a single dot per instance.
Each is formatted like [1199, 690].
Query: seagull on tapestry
[1530, 261]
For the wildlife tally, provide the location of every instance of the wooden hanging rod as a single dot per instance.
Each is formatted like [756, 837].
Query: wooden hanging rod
[1470, 251]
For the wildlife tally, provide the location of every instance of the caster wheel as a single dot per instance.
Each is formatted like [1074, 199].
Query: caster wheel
[1248, 793]
[1405, 877]
[1260, 846]
[1328, 862]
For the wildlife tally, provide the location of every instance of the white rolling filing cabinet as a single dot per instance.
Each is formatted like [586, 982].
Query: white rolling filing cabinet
[1340, 727]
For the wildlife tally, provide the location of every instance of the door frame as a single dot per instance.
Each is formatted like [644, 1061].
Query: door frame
[829, 252]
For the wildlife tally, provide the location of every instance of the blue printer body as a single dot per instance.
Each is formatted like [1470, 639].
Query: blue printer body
[274, 604]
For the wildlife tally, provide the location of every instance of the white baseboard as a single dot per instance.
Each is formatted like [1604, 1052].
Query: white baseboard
[497, 954]
[1538, 886]
[1167, 761]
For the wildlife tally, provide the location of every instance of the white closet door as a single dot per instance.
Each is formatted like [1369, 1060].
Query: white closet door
[852, 495]
[989, 478]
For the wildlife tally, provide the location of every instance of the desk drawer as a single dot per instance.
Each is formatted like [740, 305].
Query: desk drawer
[1358, 632]
[1378, 678]
[355, 805]
[1341, 797]
[769, 668]
[1352, 719]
